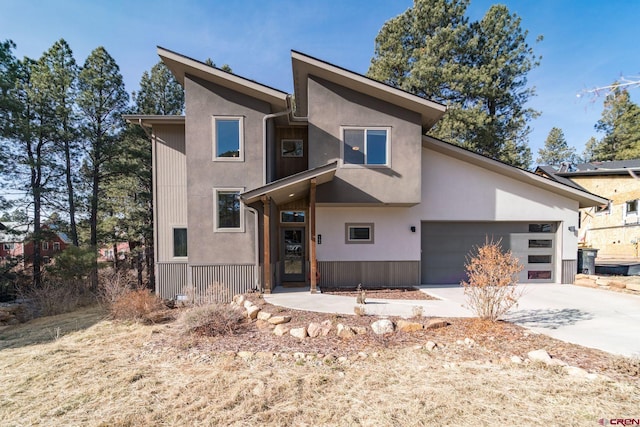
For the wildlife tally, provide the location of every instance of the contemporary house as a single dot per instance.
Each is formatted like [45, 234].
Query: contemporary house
[614, 227]
[335, 185]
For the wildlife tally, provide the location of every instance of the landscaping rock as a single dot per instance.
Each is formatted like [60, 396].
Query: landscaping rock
[408, 326]
[326, 327]
[263, 324]
[575, 371]
[589, 283]
[359, 330]
[277, 320]
[382, 326]
[516, 360]
[314, 329]
[430, 346]
[633, 286]
[252, 312]
[300, 333]
[263, 315]
[281, 330]
[616, 284]
[539, 356]
[345, 331]
[239, 299]
[436, 324]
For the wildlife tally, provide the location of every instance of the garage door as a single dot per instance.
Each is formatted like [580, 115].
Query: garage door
[446, 245]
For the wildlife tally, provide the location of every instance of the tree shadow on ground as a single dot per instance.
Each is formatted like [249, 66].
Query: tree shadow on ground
[549, 318]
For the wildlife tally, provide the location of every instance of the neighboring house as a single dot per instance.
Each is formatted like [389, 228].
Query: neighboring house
[11, 241]
[53, 242]
[107, 253]
[343, 189]
[614, 227]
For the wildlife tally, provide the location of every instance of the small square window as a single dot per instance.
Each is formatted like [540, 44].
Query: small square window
[365, 146]
[359, 233]
[631, 207]
[179, 242]
[292, 148]
[56, 246]
[228, 138]
[603, 209]
[8, 246]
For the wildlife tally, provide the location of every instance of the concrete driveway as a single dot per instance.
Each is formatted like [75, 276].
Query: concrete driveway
[596, 318]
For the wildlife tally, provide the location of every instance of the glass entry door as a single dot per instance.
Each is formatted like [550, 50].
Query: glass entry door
[293, 250]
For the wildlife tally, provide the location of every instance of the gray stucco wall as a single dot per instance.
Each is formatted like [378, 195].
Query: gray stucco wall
[203, 101]
[332, 106]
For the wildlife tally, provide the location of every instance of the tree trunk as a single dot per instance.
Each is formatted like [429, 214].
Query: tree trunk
[70, 194]
[116, 261]
[93, 219]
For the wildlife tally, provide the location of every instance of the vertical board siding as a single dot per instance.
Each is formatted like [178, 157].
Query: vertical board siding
[219, 283]
[171, 280]
[383, 274]
[569, 270]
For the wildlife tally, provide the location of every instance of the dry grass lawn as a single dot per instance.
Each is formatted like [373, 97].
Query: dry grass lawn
[80, 369]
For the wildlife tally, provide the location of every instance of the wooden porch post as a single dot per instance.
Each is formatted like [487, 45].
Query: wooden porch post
[313, 274]
[266, 202]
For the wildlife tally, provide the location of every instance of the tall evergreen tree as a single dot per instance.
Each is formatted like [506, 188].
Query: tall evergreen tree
[620, 123]
[477, 69]
[556, 150]
[59, 68]
[590, 147]
[102, 100]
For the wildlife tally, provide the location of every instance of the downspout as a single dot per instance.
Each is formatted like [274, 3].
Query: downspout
[256, 236]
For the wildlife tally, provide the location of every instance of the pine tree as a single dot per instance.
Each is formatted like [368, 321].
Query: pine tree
[556, 150]
[102, 100]
[620, 123]
[477, 69]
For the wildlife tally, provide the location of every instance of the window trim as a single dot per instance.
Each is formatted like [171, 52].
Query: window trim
[387, 129]
[349, 225]
[45, 246]
[294, 140]
[216, 227]
[56, 246]
[173, 242]
[214, 128]
[626, 207]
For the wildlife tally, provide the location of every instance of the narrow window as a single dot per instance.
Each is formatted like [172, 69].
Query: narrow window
[359, 233]
[179, 242]
[228, 210]
[540, 243]
[365, 147]
[227, 138]
[539, 259]
[541, 228]
[45, 246]
[539, 275]
[291, 216]
[56, 246]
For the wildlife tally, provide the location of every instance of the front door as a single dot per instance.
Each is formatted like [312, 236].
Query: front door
[293, 250]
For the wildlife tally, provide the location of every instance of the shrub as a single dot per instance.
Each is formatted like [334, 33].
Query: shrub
[113, 284]
[492, 277]
[138, 305]
[214, 319]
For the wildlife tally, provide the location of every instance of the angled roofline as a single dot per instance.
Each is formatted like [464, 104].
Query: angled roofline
[304, 65]
[152, 119]
[181, 65]
[633, 171]
[550, 173]
[584, 198]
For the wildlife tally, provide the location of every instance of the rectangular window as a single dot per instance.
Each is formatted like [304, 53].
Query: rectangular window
[8, 246]
[603, 209]
[631, 207]
[359, 233]
[56, 246]
[45, 246]
[291, 216]
[292, 148]
[539, 275]
[228, 210]
[228, 138]
[179, 242]
[541, 228]
[540, 243]
[365, 146]
[539, 259]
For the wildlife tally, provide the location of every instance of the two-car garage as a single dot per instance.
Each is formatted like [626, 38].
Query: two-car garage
[446, 246]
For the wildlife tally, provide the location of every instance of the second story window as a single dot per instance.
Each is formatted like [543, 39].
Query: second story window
[228, 144]
[366, 146]
[228, 215]
[631, 207]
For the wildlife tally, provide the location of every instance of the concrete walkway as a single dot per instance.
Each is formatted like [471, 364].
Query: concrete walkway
[595, 318]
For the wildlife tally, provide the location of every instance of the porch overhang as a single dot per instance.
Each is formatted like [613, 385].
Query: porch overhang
[292, 187]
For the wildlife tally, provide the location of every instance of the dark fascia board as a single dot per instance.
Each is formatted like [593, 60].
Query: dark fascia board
[584, 198]
[150, 120]
[181, 66]
[280, 189]
[633, 172]
[304, 66]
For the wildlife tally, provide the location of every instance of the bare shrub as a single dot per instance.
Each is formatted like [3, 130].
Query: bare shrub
[417, 311]
[214, 319]
[214, 293]
[114, 284]
[138, 305]
[360, 310]
[492, 277]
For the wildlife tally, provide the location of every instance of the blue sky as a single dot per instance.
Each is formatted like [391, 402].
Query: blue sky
[587, 43]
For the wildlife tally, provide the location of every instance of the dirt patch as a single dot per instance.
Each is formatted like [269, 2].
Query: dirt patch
[397, 293]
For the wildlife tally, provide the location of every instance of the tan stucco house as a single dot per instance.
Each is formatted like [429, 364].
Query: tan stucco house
[613, 227]
[343, 186]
